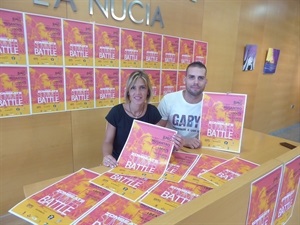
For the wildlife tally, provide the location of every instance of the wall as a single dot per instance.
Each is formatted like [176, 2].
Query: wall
[34, 148]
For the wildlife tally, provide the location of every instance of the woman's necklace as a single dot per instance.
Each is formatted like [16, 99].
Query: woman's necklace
[139, 114]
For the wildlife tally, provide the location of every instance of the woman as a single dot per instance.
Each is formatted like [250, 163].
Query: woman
[120, 117]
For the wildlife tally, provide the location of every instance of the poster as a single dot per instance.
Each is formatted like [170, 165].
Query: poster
[118, 211]
[62, 202]
[129, 187]
[147, 151]
[12, 39]
[263, 197]
[131, 48]
[170, 53]
[107, 87]
[47, 89]
[271, 61]
[44, 40]
[288, 191]
[201, 51]
[222, 121]
[168, 82]
[154, 77]
[204, 164]
[186, 53]
[78, 43]
[180, 80]
[168, 195]
[107, 42]
[152, 47]
[79, 88]
[228, 170]
[124, 75]
[180, 165]
[14, 91]
[249, 57]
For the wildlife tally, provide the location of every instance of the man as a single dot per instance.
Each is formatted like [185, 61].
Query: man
[181, 110]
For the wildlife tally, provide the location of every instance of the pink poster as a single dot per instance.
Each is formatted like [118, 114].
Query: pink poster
[107, 87]
[131, 48]
[78, 43]
[186, 53]
[14, 91]
[79, 88]
[124, 75]
[168, 195]
[107, 46]
[62, 202]
[168, 82]
[263, 197]
[205, 163]
[129, 187]
[147, 151]
[288, 191]
[181, 80]
[170, 52]
[152, 47]
[180, 165]
[44, 40]
[12, 40]
[201, 51]
[47, 89]
[118, 211]
[222, 121]
[154, 76]
[228, 170]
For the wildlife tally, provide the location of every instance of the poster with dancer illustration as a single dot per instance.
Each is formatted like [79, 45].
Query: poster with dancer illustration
[228, 170]
[12, 40]
[152, 47]
[79, 88]
[117, 210]
[131, 48]
[129, 187]
[249, 57]
[14, 91]
[78, 43]
[222, 121]
[168, 195]
[44, 40]
[107, 86]
[288, 191]
[47, 89]
[107, 42]
[154, 77]
[168, 82]
[170, 53]
[201, 51]
[263, 198]
[62, 202]
[180, 80]
[147, 151]
[271, 61]
[186, 53]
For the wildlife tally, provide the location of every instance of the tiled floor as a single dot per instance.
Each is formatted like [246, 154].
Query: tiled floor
[291, 133]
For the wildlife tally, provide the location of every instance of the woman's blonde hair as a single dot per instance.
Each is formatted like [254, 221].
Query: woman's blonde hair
[131, 81]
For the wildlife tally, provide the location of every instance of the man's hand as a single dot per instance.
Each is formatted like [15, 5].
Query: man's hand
[192, 143]
[109, 161]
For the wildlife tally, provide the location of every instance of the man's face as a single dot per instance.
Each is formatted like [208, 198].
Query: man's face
[195, 81]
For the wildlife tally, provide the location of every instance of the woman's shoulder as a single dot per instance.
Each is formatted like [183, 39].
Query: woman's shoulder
[152, 107]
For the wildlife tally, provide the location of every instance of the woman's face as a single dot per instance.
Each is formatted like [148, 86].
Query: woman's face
[138, 92]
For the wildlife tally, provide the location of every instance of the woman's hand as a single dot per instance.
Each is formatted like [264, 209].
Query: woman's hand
[109, 161]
